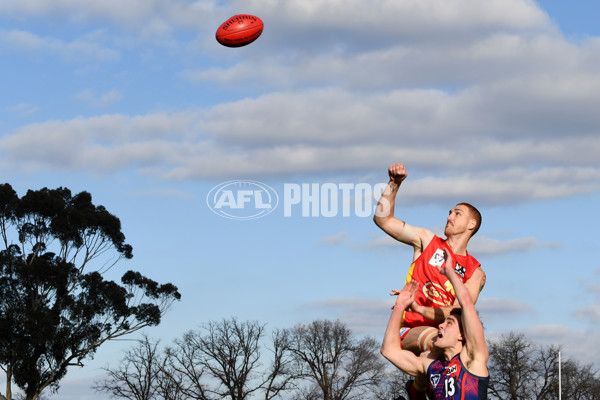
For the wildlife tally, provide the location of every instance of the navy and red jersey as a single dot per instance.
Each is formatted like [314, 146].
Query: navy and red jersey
[451, 380]
[435, 289]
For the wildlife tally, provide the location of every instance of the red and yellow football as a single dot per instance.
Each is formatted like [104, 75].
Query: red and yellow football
[239, 30]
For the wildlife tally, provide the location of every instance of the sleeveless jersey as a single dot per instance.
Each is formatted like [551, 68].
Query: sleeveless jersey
[451, 380]
[435, 289]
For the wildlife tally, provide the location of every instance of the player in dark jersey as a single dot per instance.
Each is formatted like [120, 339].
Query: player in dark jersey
[461, 371]
[434, 300]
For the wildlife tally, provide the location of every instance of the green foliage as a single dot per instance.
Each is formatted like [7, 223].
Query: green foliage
[53, 312]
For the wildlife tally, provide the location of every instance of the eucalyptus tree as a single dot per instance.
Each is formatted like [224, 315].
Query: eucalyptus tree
[56, 307]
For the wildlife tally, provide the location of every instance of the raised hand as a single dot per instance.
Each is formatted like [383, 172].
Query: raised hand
[397, 173]
[407, 295]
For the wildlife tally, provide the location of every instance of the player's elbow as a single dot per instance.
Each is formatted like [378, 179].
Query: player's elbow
[386, 350]
[383, 351]
[379, 220]
[383, 222]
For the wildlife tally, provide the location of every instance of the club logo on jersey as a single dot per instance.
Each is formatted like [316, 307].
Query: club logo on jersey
[437, 259]
[434, 379]
[437, 294]
[460, 270]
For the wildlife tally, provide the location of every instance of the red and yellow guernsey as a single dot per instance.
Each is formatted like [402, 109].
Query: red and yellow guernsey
[435, 290]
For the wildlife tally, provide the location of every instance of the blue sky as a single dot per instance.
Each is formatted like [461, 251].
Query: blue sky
[490, 102]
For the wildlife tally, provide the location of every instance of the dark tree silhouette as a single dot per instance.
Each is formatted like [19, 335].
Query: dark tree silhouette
[337, 364]
[223, 360]
[521, 370]
[235, 360]
[137, 375]
[56, 308]
[510, 367]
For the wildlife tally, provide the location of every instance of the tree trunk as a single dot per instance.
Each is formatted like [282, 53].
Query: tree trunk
[8, 382]
[33, 396]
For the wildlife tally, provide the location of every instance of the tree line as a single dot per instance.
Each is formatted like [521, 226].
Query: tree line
[321, 360]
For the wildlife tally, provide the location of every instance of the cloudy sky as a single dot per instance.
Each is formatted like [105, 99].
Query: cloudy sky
[494, 102]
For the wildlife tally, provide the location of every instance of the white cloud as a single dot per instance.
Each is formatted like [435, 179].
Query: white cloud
[336, 239]
[593, 287]
[467, 61]
[383, 241]
[481, 244]
[590, 313]
[99, 144]
[196, 144]
[502, 306]
[24, 109]
[488, 86]
[507, 186]
[363, 316]
[486, 245]
[405, 16]
[160, 192]
[23, 41]
[398, 19]
[99, 100]
[149, 17]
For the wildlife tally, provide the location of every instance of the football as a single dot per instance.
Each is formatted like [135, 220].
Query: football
[239, 30]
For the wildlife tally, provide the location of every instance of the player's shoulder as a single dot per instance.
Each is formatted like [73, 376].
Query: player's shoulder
[479, 274]
[415, 236]
[482, 278]
[478, 278]
[426, 236]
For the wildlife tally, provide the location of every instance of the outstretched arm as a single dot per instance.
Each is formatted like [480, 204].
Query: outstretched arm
[384, 213]
[476, 348]
[391, 348]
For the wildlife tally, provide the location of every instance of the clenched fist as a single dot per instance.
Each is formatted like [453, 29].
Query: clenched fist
[397, 173]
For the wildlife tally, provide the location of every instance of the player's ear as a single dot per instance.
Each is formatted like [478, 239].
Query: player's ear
[472, 223]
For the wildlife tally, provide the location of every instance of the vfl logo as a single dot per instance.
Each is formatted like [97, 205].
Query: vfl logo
[436, 293]
[242, 199]
[438, 258]
[434, 379]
